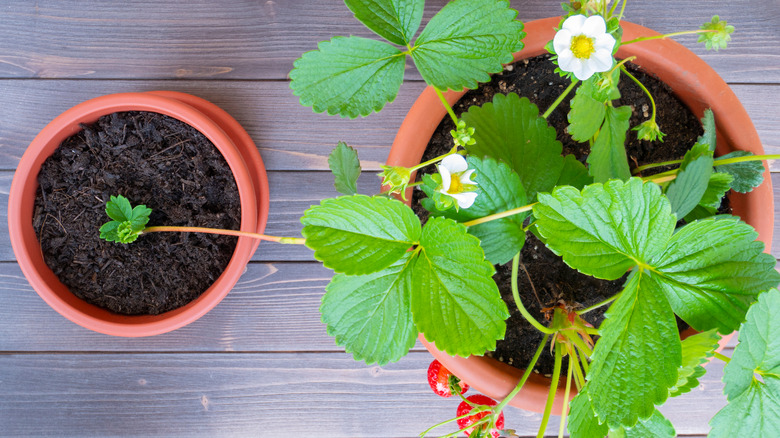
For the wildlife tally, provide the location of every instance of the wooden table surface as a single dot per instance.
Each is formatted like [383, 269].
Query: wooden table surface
[260, 363]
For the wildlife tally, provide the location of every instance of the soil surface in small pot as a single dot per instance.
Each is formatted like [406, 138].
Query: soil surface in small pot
[151, 159]
[544, 278]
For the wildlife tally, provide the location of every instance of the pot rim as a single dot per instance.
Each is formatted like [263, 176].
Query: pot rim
[693, 82]
[235, 147]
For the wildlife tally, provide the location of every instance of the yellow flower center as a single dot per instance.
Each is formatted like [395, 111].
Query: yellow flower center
[582, 47]
[455, 185]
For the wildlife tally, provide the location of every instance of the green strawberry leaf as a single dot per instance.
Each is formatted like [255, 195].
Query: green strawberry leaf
[695, 351]
[747, 175]
[686, 190]
[754, 406]
[370, 315]
[636, 359]
[108, 231]
[574, 173]
[713, 270]
[509, 129]
[710, 201]
[358, 234]
[350, 76]
[709, 136]
[607, 159]
[394, 20]
[345, 165]
[119, 209]
[606, 229]
[455, 301]
[498, 189]
[583, 421]
[657, 426]
[466, 41]
[587, 113]
[139, 217]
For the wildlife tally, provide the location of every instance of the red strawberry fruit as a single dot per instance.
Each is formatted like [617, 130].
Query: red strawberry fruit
[466, 422]
[443, 382]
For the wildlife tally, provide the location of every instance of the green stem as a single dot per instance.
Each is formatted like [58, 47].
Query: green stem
[565, 411]
[668, 35]
[526, 374]
[579, 376]
[519, 302]
[433, 160]
[446, 106]
[286, 240]
[500, 215]
[597, 305]
[612, 9]
[622, 9]
[620, 64]
[721, 357]
[576, 340]
[450, 421]
[642, 86]
[560, 98]
[414, 184]
[733, 160]
[654, 165]
[553, 389]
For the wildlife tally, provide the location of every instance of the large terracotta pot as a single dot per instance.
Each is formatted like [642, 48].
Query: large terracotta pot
[219, 127]
[693, 81]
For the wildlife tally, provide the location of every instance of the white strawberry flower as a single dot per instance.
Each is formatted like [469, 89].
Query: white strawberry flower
[456, 180]
[583, 46]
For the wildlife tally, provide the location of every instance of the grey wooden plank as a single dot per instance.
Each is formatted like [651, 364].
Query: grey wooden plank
[295, 394]
[291, 194]
[289, 136]
[260, 40]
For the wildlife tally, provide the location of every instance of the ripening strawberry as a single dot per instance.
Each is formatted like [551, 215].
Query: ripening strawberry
[465, 423]
[443, 382]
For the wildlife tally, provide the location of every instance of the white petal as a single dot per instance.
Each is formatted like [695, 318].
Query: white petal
[574, 23]
[594, 26]
[562, 41]
[446, 178]
[455, 163]
[586, 71]
[604, 42]
[465, 200]
[465, 178]
[566, 59]
[601, 60]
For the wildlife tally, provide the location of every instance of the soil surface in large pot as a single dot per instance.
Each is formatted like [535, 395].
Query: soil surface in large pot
[151, 159]
[544, 279]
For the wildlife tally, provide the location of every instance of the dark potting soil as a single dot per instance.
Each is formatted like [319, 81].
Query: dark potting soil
[151, 159]
[544, 278]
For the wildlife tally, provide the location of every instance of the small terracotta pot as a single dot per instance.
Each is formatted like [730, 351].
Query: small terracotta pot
[220, 128]
[693, 81]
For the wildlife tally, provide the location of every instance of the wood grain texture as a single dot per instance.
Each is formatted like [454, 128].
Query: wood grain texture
[252, 39]
[236, 395]
[289, 136]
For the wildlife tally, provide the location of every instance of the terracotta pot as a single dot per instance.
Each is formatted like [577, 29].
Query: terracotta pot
[222, 130]
[693, 81]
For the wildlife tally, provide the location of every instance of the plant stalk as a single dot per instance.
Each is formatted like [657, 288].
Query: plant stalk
[447, 106]
[721, 357]
[278, 239]
[526, 374]
[597, 305]
[519, 302]
[668, 35]
[560, 98]
[553, 389]
[564, 413]
[500, 215]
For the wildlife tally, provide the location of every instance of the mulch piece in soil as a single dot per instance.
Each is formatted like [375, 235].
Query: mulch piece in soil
[545, 273]
[151, 159]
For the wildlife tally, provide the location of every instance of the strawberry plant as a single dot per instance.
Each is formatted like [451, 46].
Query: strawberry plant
[506, 176]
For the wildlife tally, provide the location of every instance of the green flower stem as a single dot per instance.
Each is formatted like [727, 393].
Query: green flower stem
[433, 160]
[721, 357]
[564, 413]
[597, 305]
[579, 376]
[584, 362]
[450, 421]
[614, 6]
[286, 240]
[576, 340]
[526, 374]
[560, 98]
[446, 106]
[647, 92]
[668, 35]
[500, 215]
[745, 159]
[660, 179]
[553, 389]
[620, 64]
[414, 184]
[653, 165]
[519, 302]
